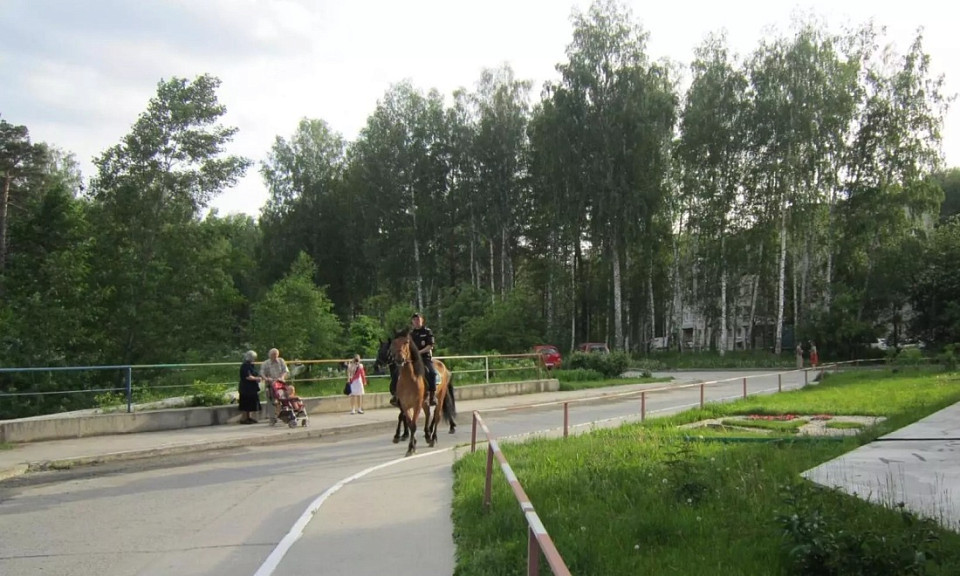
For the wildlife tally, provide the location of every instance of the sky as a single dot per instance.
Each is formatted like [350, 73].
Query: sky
[78, 73]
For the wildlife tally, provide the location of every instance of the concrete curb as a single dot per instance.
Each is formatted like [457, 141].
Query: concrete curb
[7, 473]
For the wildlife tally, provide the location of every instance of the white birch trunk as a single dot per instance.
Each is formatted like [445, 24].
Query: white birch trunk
[781, 280]
[617, 299]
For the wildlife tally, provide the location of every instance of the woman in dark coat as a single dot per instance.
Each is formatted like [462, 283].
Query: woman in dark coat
[249, 388]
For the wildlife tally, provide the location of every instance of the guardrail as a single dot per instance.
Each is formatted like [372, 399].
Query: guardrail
[126, 383]
[538, 540]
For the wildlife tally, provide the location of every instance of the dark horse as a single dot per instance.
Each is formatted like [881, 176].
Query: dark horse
[411, 387]
[384, 360]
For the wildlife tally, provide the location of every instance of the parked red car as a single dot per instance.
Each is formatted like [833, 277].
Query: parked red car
[594, 347]
[549, 355]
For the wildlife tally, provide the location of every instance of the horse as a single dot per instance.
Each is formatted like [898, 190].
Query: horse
[384, 360]
[411, 388]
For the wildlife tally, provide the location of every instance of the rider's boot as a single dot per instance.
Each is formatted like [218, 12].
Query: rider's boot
[433, 397]
[394, 401]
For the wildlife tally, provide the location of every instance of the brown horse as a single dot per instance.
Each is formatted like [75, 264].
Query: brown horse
[411, 386]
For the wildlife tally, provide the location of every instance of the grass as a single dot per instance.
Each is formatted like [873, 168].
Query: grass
[6, 446]
[642, 499]
[672, 360]
[844, 425]
[777, 425]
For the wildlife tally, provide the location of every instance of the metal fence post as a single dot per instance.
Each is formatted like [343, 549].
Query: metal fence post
[533, 553]
[643, 406]
[744, 386]
[701, 396]
[804, 376]
[486, 370]
[487, 487]
[566, 418]
[473, 434]
[129, 389]
[779, 382]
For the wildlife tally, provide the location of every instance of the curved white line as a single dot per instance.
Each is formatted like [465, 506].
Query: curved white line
[273, 560]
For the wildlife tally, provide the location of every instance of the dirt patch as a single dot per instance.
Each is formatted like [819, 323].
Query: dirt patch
[813, 426]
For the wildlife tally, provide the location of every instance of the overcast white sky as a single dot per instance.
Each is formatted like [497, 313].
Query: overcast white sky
[78, 73]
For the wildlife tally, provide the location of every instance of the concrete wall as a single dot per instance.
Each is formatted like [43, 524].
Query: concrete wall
[47, 428]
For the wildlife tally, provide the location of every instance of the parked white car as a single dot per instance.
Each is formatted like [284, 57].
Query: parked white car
[879, 344]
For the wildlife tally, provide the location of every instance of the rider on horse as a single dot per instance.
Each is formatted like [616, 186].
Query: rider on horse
[423, 339]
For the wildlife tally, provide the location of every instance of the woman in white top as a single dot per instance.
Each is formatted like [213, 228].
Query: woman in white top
[357, 376]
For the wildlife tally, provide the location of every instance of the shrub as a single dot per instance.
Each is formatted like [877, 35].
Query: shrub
[610, 365]
[909, 357]
[207, 394]
[949, 356]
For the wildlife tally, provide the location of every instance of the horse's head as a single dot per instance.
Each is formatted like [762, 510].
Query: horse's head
[383, 356]
[403, 351]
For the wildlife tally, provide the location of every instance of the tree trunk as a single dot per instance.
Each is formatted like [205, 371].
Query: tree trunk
[652, 313]
[493, 288]
[753, 299]
[474, 270]
[778, 342]
[4, 207]
[416, 259]
[574, 262]
[723, 298]
[503, 263]
[617, 298]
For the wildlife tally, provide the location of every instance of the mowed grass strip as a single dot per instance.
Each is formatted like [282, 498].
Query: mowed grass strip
[652, 499]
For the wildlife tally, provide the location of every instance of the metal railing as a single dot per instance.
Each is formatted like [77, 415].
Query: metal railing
[130, 379]
[538, 540]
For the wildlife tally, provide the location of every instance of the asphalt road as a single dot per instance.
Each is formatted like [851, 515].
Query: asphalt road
[355, 504]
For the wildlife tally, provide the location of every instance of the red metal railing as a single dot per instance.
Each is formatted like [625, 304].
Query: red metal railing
[538, 541]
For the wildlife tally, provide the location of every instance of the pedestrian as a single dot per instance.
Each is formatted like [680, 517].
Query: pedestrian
[249, 388]
[272, 370]
[799, 356]
[814, 357]
[357, 377]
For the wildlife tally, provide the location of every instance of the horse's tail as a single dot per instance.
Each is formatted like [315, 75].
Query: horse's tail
[449, 402]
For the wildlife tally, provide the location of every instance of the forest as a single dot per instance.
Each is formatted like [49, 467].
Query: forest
[794, 193]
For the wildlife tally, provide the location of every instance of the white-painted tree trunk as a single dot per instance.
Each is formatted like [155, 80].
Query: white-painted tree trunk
[617, 299]
[782, 276]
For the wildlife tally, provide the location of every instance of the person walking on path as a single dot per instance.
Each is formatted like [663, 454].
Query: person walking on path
[273, 369]
[814, 357]
[799, 356]
[357, 377]
[249, 388]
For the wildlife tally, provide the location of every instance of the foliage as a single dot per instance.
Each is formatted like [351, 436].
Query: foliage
[364, 337]
[818, 542]
[610, 365]
[511, 325]
[936, 296]
[296, 317]
[206, 394]
[576, 375]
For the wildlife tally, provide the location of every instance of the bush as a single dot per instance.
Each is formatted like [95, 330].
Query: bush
[908, 357]
[949, 356]
[817, 542]
[610, 365]
[208, 394]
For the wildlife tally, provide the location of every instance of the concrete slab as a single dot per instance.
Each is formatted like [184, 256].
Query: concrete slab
[917, 465]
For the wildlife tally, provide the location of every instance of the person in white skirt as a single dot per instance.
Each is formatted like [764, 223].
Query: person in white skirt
[357, 376]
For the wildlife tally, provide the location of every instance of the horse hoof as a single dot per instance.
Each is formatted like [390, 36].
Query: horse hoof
[405, 437]
[409, 452]
[432, 443]
[453, 429]
[396, 440]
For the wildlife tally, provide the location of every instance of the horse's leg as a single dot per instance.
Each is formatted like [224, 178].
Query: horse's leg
[396, 435]
[406, 427]
[412, 444]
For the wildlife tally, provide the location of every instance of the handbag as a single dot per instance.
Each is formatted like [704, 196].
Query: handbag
[346, 389]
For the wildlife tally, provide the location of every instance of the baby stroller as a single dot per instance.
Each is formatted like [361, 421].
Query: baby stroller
[290, 409]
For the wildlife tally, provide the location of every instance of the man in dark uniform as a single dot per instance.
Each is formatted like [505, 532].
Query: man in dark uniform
[423, 339]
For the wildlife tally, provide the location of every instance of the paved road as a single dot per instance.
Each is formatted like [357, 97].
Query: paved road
[224, 513]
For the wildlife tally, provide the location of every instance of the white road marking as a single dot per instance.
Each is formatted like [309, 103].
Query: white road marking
[273, 560]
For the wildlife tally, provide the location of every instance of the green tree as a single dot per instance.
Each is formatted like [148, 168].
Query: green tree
[936, 295]
[364, 336]
[19, 159]
[296, 316]
[949, 181]
[155, 276]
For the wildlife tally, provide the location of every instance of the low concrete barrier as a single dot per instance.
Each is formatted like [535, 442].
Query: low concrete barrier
[37, 429]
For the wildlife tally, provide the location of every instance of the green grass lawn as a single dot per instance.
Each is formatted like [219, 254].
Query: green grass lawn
[5, 446]
[844, 425]
[645, 499]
